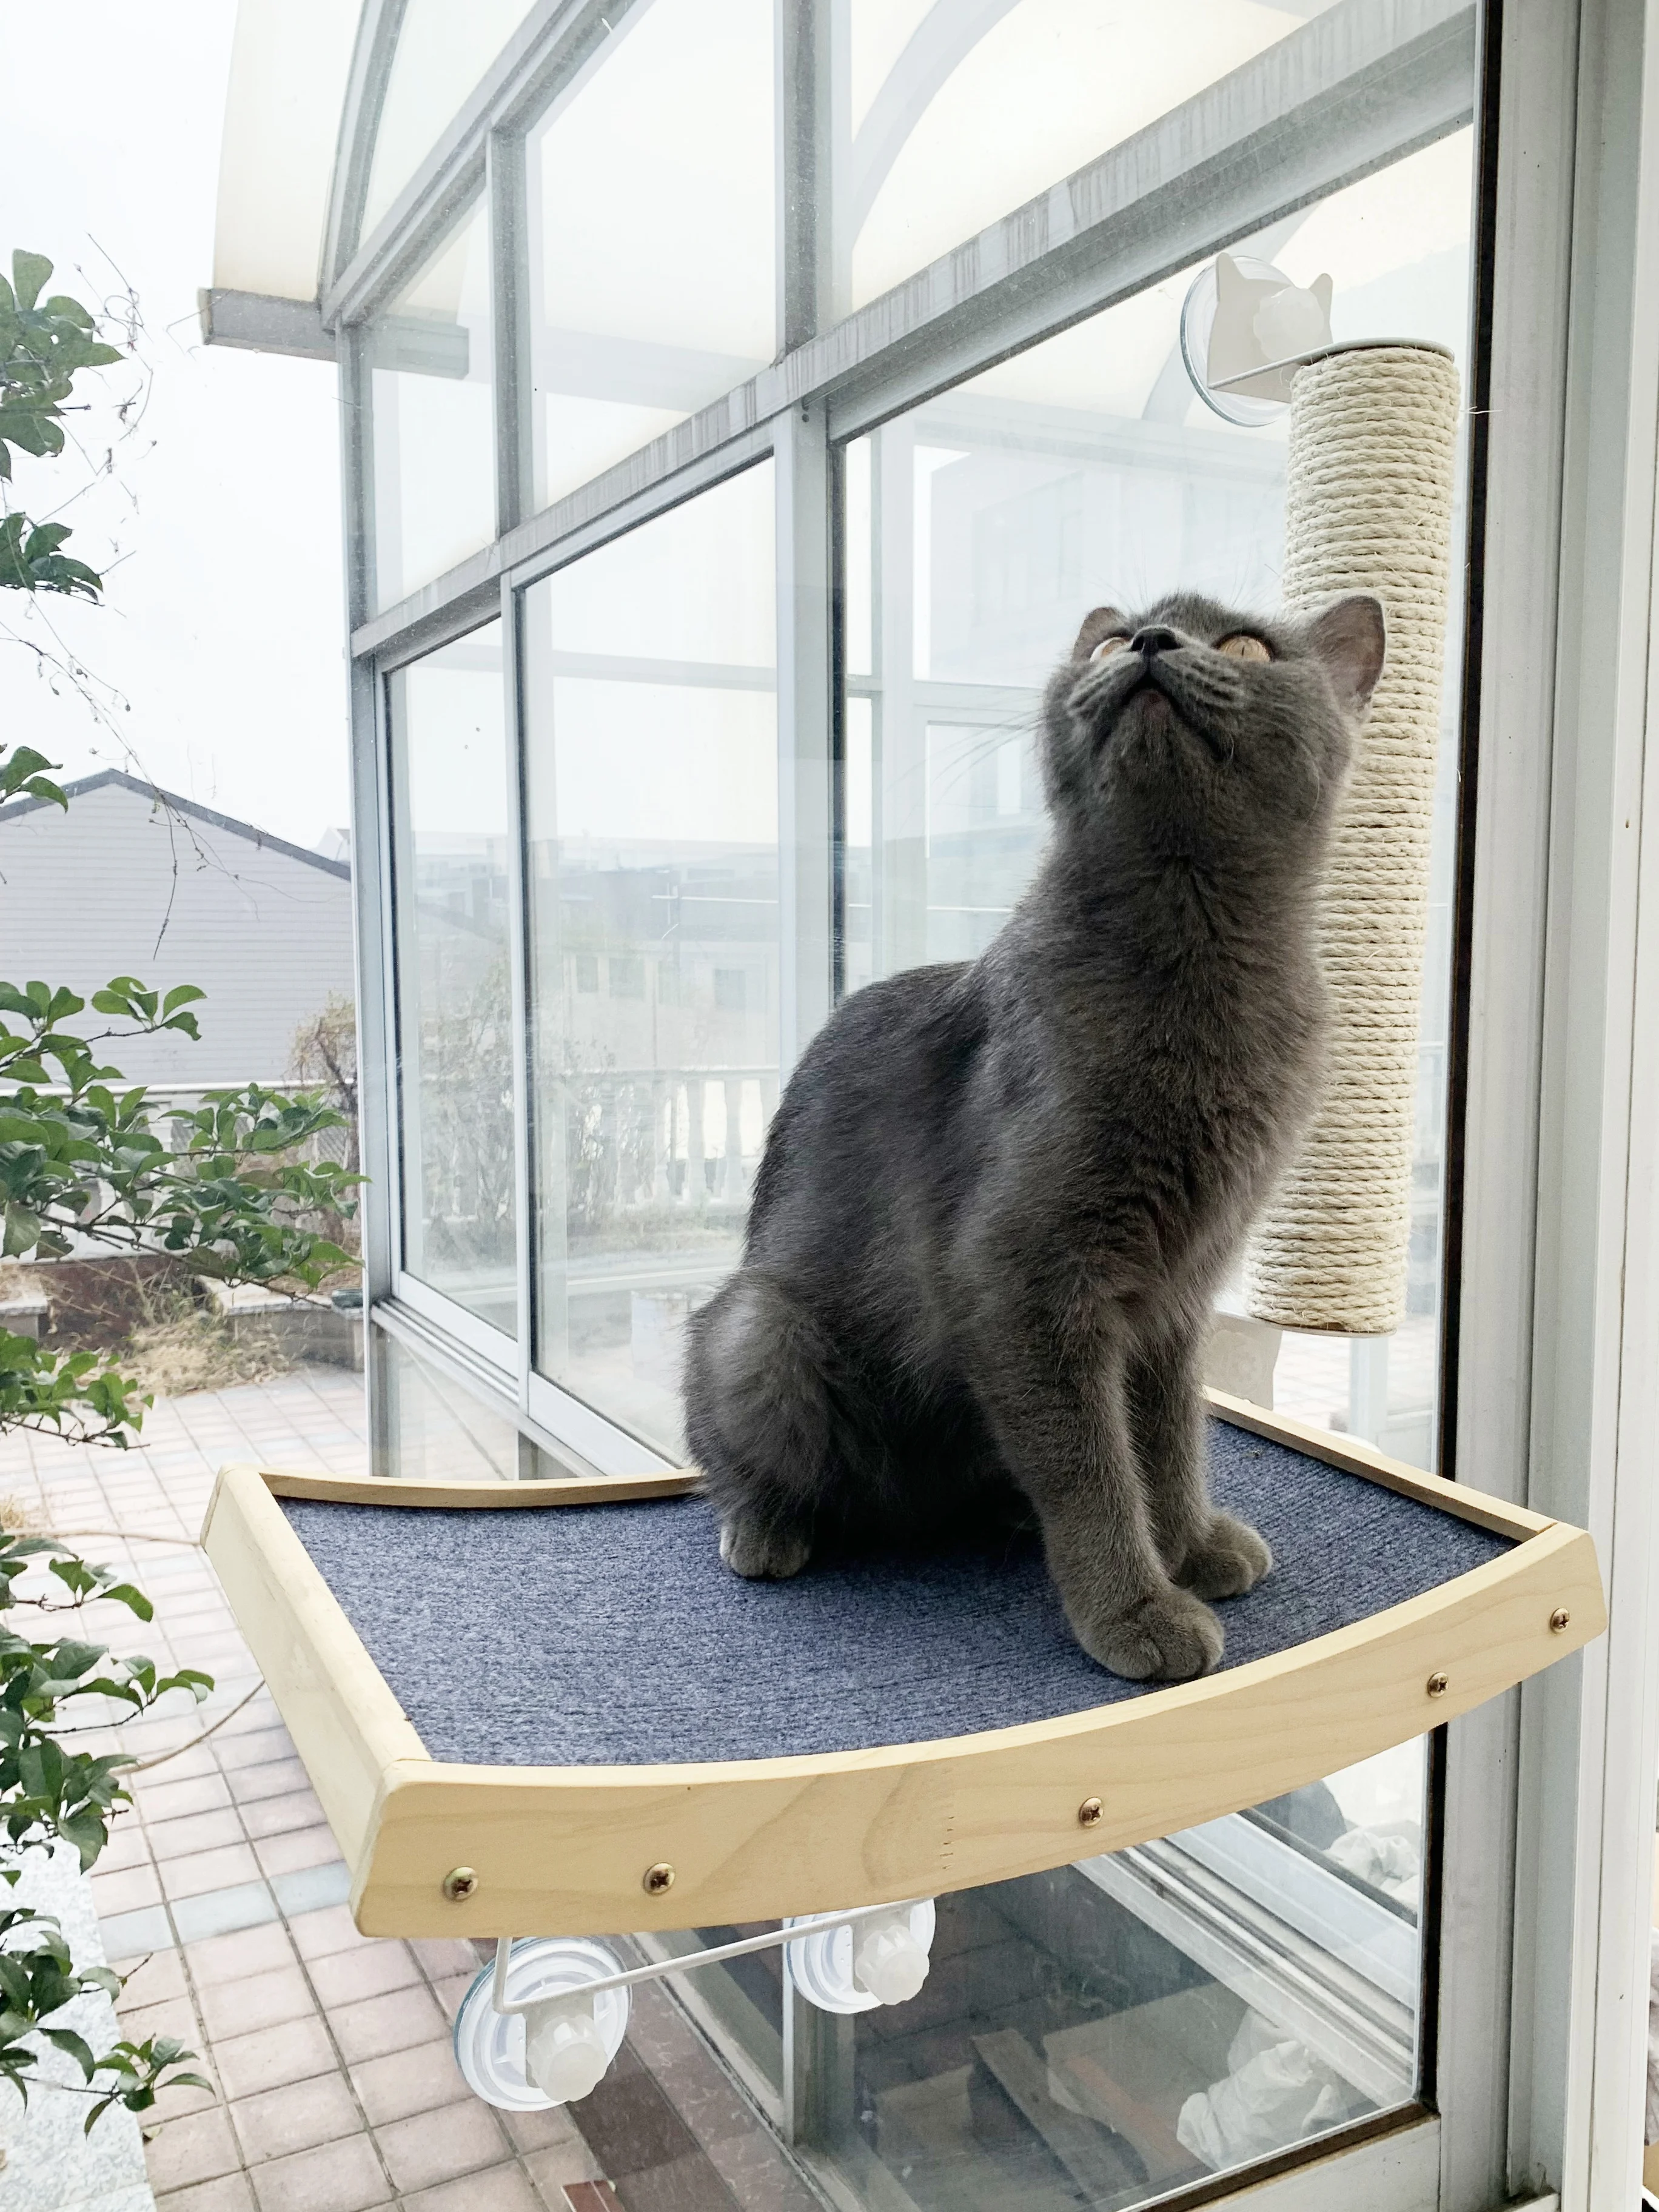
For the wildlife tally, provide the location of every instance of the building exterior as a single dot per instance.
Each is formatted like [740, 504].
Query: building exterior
[742, 399]
[188, 896]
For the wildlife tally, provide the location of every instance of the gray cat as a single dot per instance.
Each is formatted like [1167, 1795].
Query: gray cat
[997, 1200]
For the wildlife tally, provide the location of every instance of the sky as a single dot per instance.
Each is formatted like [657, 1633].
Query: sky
[223, 627]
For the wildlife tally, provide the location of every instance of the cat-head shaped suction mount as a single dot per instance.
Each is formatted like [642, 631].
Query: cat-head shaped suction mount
[1245, 330]
[1192, 723]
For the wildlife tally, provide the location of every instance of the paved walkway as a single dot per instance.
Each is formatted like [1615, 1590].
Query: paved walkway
[223, 1895]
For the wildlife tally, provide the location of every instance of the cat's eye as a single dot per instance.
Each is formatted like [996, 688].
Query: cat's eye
[1107, 646]
[1243, 646]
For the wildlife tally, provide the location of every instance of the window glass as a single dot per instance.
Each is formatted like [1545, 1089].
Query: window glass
[450, 858]
[954, 112]
[1112, 2034]
[651, 795]
[652, 232]
[1129, 2026]
[431, 400]
[980, 526]
[442, 51]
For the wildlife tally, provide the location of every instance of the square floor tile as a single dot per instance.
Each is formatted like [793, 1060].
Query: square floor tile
[243, 1951]
[366, 1971]
[272, 2058]
[124, 1889]
[233, 2192]
[418, 2080]
[395, 2021]
[295, 1850]
[254, 2001]
[200, 2147]
[200, 1871]
[298, 2117]
[214, 1829]
[131, 1935]
[427, 2147]
[223, 1910]
[502, 2189]
[340, 2177]
[307, 1889]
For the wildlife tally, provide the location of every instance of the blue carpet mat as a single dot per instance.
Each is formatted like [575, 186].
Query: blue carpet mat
[611, 1634]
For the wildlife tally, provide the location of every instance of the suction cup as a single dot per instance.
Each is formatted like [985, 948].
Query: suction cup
[881, 1959]
[1245, 330]
[555, 2054]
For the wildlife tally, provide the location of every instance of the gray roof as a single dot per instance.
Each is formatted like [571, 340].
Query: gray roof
[190, 808]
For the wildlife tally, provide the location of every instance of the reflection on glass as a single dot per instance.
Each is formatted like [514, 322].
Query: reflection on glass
[442, 53]
[954, 113]
[449, 796]
[1134, 2025]
[431, 406]
[980, 527]
[650, 777]
[652, 235]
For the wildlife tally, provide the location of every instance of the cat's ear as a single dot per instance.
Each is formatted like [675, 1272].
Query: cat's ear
[1101, 622]
[1351, 637]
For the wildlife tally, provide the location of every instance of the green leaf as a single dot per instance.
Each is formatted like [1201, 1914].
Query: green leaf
[29, 271]
[66, 2039]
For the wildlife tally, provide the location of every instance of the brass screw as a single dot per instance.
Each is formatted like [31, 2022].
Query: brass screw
[658, 1879]
[458, 1884]
[1437, 1685]
[1560, 1619]
[1089, 1813]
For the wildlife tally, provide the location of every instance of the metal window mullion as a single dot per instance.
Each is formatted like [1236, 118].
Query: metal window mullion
[517, 982]
[550, 50]
[801, 53]
[805, 679]
[509, 293]
[371, 71]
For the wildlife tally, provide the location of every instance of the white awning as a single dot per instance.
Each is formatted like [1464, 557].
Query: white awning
[288, 80]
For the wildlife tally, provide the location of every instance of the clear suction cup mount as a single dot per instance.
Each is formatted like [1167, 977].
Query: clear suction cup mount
[556, 2049]
[880, 1959]
[1245, 330]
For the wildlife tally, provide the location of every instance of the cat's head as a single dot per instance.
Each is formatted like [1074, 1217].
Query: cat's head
[1193, 720]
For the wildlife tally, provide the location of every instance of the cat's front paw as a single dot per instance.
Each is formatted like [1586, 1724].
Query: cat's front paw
[1230, 1559]
[763, 1554]
[1168, 1637]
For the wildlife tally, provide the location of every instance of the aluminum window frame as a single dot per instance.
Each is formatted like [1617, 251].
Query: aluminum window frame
[1136, 215]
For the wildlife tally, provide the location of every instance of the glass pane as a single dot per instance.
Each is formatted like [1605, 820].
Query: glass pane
[430, 1428]
[442, 51]
[652, 234]
[956, 112]
[450, 862]
[1129, 2026]
[980, 527]
[652, 820]
[1109, 2035]
[431, 400]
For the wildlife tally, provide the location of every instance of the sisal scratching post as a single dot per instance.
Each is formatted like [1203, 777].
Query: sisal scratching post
[1368, 507]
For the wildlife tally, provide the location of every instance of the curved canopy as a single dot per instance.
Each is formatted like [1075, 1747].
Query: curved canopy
[288, 68]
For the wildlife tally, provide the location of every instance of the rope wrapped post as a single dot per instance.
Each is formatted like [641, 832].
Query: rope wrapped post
[1368, 507]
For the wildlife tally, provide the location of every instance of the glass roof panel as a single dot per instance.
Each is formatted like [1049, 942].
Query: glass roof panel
[443, 49]
[288, 68]
[652, 245]
[959, 112]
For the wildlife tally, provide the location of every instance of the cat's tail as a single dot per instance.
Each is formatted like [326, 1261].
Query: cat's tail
[757, 1411]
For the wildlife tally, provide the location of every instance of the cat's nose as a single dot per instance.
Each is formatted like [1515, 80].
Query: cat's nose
[1154, 638]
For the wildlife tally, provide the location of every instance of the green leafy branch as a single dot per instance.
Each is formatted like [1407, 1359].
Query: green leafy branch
[38, 1979]
[44, 345]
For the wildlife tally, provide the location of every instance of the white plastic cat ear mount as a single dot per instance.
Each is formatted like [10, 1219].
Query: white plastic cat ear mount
[1245, 330]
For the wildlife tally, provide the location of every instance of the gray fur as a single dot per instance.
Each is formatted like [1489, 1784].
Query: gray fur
[997, 1200]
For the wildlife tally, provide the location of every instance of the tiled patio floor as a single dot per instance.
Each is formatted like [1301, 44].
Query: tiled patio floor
[222, 1896]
